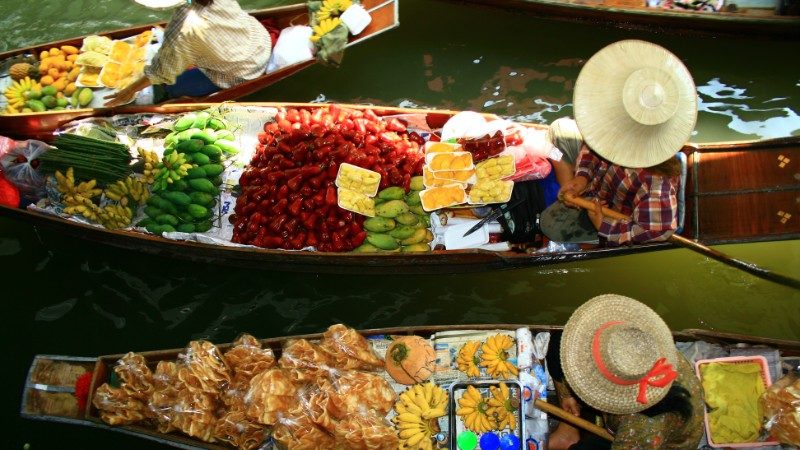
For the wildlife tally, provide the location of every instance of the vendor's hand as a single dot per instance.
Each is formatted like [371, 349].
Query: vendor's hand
[573, 187]
[570, 405]
[121, 97]
[596, 214]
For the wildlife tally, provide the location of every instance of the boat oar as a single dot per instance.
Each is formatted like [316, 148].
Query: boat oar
[698, 247]
[573, 419]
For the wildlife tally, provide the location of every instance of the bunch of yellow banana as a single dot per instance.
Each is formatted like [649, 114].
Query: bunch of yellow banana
[89, 211]
[127, 190]
[115, 216]
[474, 411]
[502, 408]
[15, 94]
[150, 159]
[74, 195]
[325, 26]
[172, 168]
[494, 356]
[331, 8]
[468, 360]
[417, 410]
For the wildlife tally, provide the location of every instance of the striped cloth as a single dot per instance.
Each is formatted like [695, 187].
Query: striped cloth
[227, 44]
[648, 198]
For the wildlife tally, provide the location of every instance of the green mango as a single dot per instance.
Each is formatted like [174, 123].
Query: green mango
[379, 224]
[189, 146]
[392, 193]
[407, 218]
[418, 236]
[184, 122]
[391, 208]
[418, 247]
[383, 241]
[413, 198]
[416, 183]
[366, 247]
[417, 209]
[403, 232]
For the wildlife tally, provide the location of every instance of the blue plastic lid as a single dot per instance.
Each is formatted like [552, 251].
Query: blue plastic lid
[509, 442]
[490, 441]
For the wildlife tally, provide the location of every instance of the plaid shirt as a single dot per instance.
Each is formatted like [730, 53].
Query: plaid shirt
[227, 44]
[648, 198]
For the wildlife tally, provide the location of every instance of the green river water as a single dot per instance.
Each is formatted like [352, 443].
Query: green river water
[65, 296]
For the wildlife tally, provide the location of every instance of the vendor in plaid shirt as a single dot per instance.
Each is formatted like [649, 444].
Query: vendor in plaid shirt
[635, 107]
[208, 45]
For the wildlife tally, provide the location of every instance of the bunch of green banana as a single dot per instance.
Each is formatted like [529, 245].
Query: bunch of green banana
[150, 159]
[400, 224]
[129, 190]
[172, 168]
[115, 216]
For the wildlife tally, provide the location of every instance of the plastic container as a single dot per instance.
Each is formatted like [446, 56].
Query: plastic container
[356, 18]
[496, 168]
[358, 179]
[442, 197]
[441, 147]
[429, 179]
[480, 194]
[110, 75]
[356, 202]
[84, 75]
[765, 378]
[449, 161]
[457, 389]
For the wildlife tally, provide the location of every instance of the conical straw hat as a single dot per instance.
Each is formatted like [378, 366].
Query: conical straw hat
[635, 103]
[618, 355]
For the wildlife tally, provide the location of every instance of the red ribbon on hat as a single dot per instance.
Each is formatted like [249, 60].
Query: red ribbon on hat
[660, 375]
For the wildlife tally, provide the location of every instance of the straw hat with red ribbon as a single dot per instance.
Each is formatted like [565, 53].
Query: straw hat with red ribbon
[618, 355]
[635, 103]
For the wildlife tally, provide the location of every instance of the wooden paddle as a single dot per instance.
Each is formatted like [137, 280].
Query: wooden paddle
[696, 246]
[573, 419]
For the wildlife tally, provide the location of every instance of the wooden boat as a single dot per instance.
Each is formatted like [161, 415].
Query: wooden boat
[48, 393]
[736, 192]
[746, 21]
[385, 16]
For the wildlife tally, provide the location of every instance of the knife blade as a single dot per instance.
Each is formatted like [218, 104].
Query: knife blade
[496, 212]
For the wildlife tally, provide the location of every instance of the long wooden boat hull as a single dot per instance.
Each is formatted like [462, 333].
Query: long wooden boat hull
[48, 391]
[735, 193]
[385, 16]
[629, 14]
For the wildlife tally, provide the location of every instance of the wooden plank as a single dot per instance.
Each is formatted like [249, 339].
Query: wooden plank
[755, 169]
[765, 214]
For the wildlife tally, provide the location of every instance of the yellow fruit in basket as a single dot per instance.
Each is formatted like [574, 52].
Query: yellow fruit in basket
[46, 80]
[70, 88]
[495, 356]
[468, 360]
[69, 49]
[44, 55]
[72, 58]
[55, 51]
[502, 408]
[61, 83]
[73, 74]
[473, 409]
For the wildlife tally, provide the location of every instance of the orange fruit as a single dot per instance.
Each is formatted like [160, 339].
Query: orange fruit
[53, 72]
[70, 89]
[46, 80]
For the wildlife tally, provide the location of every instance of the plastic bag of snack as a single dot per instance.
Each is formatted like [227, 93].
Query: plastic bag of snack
[202, 367]
[137, 378]
[247, 358]
[19, 164]
[349, 349]
[306, 360]
[194, 413]
[296, 431]
[271, 394]
[367, 431]
[359, 392]
[235, 428]
[781, 405]
[117, 407]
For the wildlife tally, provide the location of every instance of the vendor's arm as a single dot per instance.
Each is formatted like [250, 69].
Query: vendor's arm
[126, 94]
[655, 215]
[586, 167]
[637, 431]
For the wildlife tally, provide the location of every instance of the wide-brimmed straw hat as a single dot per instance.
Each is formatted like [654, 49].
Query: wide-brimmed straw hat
[635, 103]
[160, 4]
[618, 355]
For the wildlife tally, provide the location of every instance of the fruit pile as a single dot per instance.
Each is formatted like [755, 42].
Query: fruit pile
[289, 197]
[400, 224]
[494, 357]
[186, 181]
[495, 411]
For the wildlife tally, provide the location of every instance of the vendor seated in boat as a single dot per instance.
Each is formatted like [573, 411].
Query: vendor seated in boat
[223, 44]
[635, 107]
[616, 361]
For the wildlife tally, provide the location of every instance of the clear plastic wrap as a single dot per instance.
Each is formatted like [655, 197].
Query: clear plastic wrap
[349, 349]
[308, 360]
[237, 430]
[781, 405]
[246, 359]
[137, 378]
[19, 167]
[117, 407]
[361, 392]
[165, 395]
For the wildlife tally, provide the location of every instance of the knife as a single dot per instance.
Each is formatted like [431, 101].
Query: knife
[496, 212]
